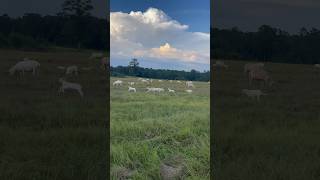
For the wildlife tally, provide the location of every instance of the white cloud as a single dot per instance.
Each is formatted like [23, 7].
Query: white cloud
[154, 36]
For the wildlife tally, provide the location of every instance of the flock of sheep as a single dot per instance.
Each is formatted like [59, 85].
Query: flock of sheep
[29, 65]
[253, 72]
[147, 82]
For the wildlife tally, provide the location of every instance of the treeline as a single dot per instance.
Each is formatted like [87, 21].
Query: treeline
[193, 75]
[34, 31]
[267, 44]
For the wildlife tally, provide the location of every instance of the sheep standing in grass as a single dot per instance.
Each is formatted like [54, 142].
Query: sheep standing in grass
[117, 83]
[179, 82]
[72, 70]
[189, 84]
[131, 89]
[253, 93]
[171, 91]
[145, 81]
[260, 75]
[69, 86]
[158, 90]
[24, 66]
[131, 83]
[189, 91]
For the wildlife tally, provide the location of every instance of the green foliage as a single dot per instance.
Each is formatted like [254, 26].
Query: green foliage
[267, 44]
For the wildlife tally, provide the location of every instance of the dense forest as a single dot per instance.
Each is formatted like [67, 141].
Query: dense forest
[73, 27]
[133, 69]
[266, 44]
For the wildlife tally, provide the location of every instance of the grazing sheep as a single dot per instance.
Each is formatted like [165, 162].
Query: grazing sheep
[252, 66]
[260, 75]
[145, 81]
[131, 89]
[189, 91]
[69, 86]
[221, 64]
[171, 91]
[117, 83]
[160, 80]
[253, 93]
[96, 55]
[179, 82]
[189, 84]
[154, 90]
[131, 83]
[72, 70]
[25, 65]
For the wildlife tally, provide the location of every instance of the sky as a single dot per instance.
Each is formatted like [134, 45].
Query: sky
[248, 15]
[15, 8]
[161, 34]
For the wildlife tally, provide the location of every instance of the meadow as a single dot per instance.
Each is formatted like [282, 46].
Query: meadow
[149, 129]
[276, 138]
[44, 135]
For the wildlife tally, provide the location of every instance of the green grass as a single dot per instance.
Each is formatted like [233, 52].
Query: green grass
[277, 138]
[148, 128]
[46, 136]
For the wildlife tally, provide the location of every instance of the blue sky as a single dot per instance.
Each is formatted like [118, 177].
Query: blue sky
[161, 34]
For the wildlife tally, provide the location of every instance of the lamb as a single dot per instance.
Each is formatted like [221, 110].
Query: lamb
[252, 66]
[117, 83]
[131, 83]
[189, 91]
[72, 70]
[69, 86]
[260, 75]
[145, 81]
[171, 91]
[131, 89]
[189, 84]
[25, 65]
[253, 93]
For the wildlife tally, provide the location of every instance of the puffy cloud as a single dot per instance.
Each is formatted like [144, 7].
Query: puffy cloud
[154, 36]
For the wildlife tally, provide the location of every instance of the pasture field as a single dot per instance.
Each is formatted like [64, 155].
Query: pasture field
[148, 129]
[276, 138]
[46, 136]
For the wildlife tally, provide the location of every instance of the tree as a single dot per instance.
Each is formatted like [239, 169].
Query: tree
[77, 8]
[133, 66]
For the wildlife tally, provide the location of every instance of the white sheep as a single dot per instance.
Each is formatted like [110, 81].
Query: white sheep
[70, 86]
[117, 83]
[170, 81]
[160, 80]
[24, 66]
[131, 83]
[179, 82]
[145, 81]
[253, 93]
[72, 70]
[155, 89]
[260, 75]
[189, 91]
[131, 89]
[171, 91]
[189, 84]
